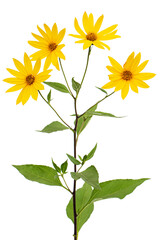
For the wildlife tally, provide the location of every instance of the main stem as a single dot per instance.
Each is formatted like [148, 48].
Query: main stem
[75, 169]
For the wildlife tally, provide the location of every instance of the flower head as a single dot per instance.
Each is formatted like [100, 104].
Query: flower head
[128, 75]
[49, 45]
[92, 34]
[27, 78]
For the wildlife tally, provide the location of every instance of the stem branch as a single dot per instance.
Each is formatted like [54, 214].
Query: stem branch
[55, 111]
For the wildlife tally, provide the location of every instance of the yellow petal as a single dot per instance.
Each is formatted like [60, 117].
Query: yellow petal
[43, 40]
[98, 24]
[43, 34]
[34, 93]
[144, 76]
[91, 22]
[61, 36]
[16, 73]
[82, 41]
[110, 85]
[38, 45]
[59, 47]
[19, 66]
[46, 72]
[135, 62]
[120, 85]
[26, 94]
[37, 67]
[87, 44]
[140, 83]
[98, 44]
[54, 60]
[105, 45]
[133, 86]
[141, 66]
[48, 31]
[107, 30]
[75, 35]
[108, 36]
[125, 90]
[47, 62]
[38, 85]
[15, 80]
[39, 54]
[42, 78]
[115, 64]
[112, 69]
[129, 61]
[27, 64]
[115, 76]
[60, 54]
[85, 21]
[78, 29]
[16, 87]
[55, 30]
[19, 99]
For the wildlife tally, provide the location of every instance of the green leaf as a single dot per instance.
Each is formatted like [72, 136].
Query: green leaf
[53, 127]
[84, 209]
[116, 189]
[84, 120]
[74, 160]
[91, 154]
[58, 86]
[56, 167]
[90, 176]
[64, 166]
[103, 114]
[39, 173]
[104, 91]
[49, 97]
[75, 85]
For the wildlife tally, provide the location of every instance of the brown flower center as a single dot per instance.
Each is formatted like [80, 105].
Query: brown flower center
[127, 75]
[52, 46]
[30, 79]
[91, 36]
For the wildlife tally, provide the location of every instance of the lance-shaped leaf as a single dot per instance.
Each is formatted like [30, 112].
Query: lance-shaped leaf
[58, 86]
[84, 120]
[115, 189]
[75, 85]
[49, 97]
[39, 173]
[91, 153]
[83, 209]
[101, 89]
[64, 166]
[90, 176]
[73, 159]
[54, 127]
[102, 114]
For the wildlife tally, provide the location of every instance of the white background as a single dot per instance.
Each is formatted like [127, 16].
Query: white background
[127, 147]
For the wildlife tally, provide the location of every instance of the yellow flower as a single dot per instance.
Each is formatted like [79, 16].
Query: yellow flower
[92, 34]
[48, 45]
[27, 79]
[128, 75]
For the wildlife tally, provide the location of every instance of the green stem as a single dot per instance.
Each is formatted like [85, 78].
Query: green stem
[65, 78]
[75, 170]
[66, 184]
[55, 111]
[89, 52]
[95, 104]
